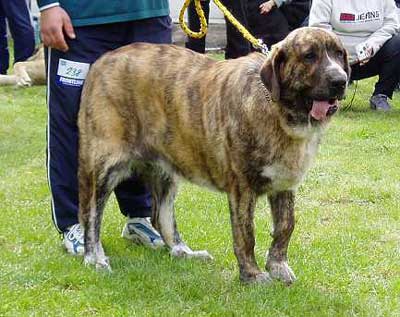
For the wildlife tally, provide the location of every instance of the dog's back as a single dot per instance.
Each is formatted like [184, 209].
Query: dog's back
[179, 105]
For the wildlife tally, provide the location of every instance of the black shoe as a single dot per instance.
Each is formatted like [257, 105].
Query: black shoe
[379, 102]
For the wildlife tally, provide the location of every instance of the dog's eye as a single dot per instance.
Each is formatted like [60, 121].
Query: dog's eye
[339, 54]
[309, 57]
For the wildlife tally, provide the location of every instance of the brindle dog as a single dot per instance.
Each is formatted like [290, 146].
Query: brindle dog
[247, 127]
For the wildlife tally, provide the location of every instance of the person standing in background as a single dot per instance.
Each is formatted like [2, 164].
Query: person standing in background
[16, 13]
[273, 20]
[197, 45]
[236, 44]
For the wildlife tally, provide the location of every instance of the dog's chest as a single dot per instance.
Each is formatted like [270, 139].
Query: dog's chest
[288, 171]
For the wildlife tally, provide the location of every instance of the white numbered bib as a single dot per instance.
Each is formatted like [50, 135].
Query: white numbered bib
[70, 73]
[73, 70]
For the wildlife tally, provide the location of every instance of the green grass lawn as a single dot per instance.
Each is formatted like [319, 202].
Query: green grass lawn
[345, 249]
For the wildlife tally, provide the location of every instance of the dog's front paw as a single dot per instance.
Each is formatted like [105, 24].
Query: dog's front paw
[24, 82]
[263, 277]
[259, 277]
[280, 270]
[100, 263]
[183, 251]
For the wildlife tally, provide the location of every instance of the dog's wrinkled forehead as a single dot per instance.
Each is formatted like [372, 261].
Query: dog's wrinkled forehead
[308, 37]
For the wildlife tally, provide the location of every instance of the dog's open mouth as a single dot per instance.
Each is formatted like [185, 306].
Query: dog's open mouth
[322, 109]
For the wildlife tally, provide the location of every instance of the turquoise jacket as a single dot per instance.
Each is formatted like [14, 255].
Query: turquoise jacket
[92, 12]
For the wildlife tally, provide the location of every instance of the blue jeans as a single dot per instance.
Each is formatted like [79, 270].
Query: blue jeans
[63, 97]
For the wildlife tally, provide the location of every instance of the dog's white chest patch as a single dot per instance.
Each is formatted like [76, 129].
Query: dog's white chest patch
[288, 173]
[282, 178]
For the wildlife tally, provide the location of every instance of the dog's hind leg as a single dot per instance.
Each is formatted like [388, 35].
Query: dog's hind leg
[164, 189]
[282, 209]
[242, 201]
[95, 187]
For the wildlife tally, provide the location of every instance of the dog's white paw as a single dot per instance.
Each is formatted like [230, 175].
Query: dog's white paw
[100, 263]
[203, 254]
[263, 278]
[24, 82]
[281, 271]
[255, 277]
[183, 251]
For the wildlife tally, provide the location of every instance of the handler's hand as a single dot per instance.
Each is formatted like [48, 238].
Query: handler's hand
[370, 52]
[266, 7]
[54, 23]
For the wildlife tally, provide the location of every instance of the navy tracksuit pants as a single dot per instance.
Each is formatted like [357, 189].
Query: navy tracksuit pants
[17, 15]
[63, 98]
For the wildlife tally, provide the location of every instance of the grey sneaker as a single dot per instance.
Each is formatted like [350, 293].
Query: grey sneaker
[73, 240]
[140, 231]
[379, 102]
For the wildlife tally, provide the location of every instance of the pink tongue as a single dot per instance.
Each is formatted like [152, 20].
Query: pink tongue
[320, 109]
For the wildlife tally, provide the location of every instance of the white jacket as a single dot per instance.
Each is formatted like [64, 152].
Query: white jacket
[357, 21]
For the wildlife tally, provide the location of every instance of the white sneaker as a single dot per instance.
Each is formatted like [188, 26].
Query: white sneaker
[73, 240]
[140, 231]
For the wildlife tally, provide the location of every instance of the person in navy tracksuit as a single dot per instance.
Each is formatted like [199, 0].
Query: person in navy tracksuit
[16, 13]
[75, 35]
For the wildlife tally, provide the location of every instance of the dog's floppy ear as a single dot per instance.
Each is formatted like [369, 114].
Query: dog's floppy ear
[270, 72]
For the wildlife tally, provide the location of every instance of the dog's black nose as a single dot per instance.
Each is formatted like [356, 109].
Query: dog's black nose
[338, 83]
[337, 87]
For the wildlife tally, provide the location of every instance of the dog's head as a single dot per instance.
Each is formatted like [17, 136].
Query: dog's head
[307, 74]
